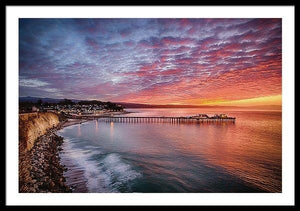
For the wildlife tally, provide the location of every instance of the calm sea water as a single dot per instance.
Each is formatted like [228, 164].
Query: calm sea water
[244, 156]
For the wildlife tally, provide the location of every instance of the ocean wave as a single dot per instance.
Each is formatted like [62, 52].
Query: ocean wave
[102, 172]
[119, 172]
[82, 159]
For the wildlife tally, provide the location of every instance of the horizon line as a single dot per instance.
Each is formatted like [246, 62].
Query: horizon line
[171, 105]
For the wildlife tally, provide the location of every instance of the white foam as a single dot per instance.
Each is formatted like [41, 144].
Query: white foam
[119, 168]
[105, 175]
[81, 157]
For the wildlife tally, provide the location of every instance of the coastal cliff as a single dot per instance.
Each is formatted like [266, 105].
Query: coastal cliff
[39, 163]
[34, 125]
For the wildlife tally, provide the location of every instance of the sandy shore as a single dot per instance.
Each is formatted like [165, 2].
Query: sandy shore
[70, 122]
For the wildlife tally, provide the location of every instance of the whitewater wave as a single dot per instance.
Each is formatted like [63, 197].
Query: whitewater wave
[102, 172]
[118, 172]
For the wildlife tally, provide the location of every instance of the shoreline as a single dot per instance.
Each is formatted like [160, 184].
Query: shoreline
[73, 120]
[41, 169]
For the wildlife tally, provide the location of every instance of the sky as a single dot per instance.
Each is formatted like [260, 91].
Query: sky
[152, 61]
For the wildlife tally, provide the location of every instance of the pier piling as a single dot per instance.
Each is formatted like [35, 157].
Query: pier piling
[173, 120]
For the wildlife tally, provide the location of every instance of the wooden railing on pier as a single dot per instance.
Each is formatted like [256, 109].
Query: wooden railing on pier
[153, 119]
[163, 119]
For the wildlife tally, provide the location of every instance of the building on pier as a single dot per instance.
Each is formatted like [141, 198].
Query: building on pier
[201, 116]
[223, 116]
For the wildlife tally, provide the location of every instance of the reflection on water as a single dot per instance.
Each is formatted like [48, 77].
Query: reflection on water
[111, 131]
[96, 127]
[244, 156]
[78, 130]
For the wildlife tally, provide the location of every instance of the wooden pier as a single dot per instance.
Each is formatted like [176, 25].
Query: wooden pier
[164, 119]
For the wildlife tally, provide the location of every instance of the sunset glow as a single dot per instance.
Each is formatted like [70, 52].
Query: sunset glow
[268, 100]
[153, 61]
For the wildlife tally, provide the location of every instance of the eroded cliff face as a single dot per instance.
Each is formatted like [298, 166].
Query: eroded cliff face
[39, 163]
[34, 125]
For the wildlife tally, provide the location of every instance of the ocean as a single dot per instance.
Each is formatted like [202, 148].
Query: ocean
[165, 157]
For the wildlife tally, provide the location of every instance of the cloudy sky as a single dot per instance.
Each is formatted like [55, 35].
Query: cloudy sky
[155, 61]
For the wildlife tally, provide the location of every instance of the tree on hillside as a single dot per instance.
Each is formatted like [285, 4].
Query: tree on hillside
[113, 106]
